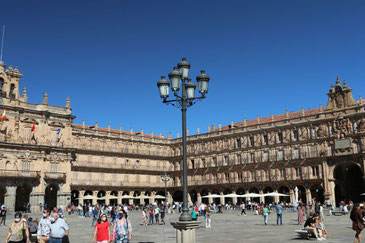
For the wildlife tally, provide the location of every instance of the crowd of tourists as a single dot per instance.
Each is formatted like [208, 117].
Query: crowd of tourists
[112, 223]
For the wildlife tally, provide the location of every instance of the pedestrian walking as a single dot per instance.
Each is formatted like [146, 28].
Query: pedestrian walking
[151, 212]
[15, 233]
[193, 214]
[279, 214]
[243, 210]
[207, 216]
[301, 214]
[58, 229]
[144, 217]
[3, 215]
[162, 212]
[265, 212]
[357, 222]
[123, 228]
[43, 232]
[95, 215]
[157, 214]
[102, 230]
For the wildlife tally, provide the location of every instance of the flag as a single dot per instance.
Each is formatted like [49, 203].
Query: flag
[58, 131]
[33, 128]
[3, 116]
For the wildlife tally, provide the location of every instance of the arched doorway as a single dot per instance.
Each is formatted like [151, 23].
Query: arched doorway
[2, 195]
[125, 198]
[204, 193]
[50, 197]
[268, 199]
[75, 197]
[178, 196]
[349, 182]
[22, 197]
[193, 196]
[101, 197]
[284, 190]
[136, 201]
[228, 200]
[317, 193]
[254, 190]
[114, 200]
[301, 194]
[147, 197]
[240, 191]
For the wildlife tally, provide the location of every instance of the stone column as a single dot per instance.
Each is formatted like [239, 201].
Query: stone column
[292, 195]
[248, 199]
[276, 198]
[34, 200]
[107, 197]
[331, 189]
[189, 199]
[199, 198]
[308, 195]
[141, 197]
[210, 200]
[185, 231]
[169, 197]
[262, 198]
[62, 199]
[131, 193]
[152, 200]
[81, 196]
[234, 199]
[120, 193]
[10, 198]
[94, 200]
[222, 198]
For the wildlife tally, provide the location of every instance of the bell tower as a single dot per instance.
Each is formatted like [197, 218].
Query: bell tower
[9, 83]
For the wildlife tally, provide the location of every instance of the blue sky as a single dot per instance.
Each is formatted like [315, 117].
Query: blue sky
[262, 56]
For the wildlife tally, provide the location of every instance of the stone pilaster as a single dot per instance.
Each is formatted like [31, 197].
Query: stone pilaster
[262, 198]
[199, 198]
[292, 195]
[222, 198]
[10, 198]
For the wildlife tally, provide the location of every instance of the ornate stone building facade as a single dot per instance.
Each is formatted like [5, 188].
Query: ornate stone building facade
[46, 158]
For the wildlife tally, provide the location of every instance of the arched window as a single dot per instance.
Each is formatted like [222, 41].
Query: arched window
[11, 93]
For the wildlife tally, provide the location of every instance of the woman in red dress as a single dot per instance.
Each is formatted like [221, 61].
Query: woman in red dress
[357, 222]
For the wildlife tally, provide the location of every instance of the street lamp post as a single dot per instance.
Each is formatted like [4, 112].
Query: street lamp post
[179, 78]
[165, 178]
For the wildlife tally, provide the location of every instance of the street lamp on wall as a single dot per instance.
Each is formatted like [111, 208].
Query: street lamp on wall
[179, 79]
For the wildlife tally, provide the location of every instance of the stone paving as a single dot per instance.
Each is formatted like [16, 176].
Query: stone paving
[227, 227]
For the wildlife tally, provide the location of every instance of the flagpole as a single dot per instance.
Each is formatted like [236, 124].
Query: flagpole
[2, 44]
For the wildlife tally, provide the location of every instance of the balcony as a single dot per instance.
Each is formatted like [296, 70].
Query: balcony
[102, 165]
[19, 174]
[57, 176]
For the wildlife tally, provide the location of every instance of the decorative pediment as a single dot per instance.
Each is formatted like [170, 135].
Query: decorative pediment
[340, 96]
[30, 120]
[27, 156]
[54, 159]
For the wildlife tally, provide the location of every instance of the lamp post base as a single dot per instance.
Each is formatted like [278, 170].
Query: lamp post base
[185, 231]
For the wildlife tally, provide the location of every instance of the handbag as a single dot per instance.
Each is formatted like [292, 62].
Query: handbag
[360, 225]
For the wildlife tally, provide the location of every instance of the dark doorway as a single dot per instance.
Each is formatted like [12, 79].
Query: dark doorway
[301, 194]
[193, 196]
[22, 197]
[349, 183]
[75, 197]
[2, 195]
[178, 196]
[317, 193]
[51, 196]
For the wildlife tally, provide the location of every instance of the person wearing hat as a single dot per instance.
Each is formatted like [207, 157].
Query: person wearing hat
[3, 215]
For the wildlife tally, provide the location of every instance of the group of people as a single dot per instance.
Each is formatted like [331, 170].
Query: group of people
[50, 228]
